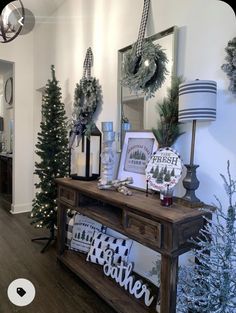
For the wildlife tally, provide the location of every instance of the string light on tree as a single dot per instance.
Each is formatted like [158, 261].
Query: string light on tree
[52, 148]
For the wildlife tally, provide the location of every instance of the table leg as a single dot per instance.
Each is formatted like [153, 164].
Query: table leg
[169, 271]
[61, 231]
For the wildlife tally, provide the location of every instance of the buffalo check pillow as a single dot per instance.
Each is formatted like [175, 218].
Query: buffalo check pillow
[69, 229]
[101, 242]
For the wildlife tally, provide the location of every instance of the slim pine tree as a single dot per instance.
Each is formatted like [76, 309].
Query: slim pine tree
[52, 148]
[210, 284]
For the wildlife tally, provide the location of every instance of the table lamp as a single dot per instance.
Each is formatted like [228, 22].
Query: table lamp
[197, 102]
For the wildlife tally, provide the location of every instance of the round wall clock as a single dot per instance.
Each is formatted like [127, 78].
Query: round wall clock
[164, 169]
[8, 92]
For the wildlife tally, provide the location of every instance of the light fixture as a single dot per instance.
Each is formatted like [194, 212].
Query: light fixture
[197, 102]
[11, 21]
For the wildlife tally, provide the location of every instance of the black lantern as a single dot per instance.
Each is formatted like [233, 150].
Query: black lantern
[1, 124]
[86, 157]
[1, 130]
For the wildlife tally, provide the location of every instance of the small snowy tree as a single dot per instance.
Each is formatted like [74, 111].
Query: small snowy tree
[210, 284]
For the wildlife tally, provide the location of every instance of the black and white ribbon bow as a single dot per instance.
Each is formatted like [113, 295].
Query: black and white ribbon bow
[88, 63]
[79, 125]
[142, 28]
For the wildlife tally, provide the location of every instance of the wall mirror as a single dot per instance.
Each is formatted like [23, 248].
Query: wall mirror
[141, 113]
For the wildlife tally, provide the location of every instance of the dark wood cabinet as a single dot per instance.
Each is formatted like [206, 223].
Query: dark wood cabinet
[141, 218]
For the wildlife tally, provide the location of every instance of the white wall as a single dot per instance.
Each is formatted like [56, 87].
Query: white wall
[108, 25]
[20, 51]
[205, 27]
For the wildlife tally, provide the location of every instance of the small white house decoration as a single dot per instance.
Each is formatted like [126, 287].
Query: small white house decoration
[121, 273]
[164, 169]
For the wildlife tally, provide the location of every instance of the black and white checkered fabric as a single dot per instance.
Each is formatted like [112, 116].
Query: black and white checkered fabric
[142, 27]
[88, 63]
[101, 242]
[69, 230]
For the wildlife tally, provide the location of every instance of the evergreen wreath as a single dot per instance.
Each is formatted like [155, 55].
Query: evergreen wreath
[167, 130]
[230, 67]
[88, 96]
[147, 72]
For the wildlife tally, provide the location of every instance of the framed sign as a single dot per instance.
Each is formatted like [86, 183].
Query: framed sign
[8, 91]
[137, 150]
[164, 169]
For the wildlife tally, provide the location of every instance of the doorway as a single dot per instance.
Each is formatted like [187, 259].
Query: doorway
[6, 131]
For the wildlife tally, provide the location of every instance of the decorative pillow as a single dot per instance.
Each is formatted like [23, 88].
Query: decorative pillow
[69, 229]
[101, 242]
[83, 231]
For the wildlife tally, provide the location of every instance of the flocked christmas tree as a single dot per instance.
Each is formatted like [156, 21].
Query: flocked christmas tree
[210, 284]
[52, 148]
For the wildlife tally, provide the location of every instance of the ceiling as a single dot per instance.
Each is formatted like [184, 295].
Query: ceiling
[41, 8]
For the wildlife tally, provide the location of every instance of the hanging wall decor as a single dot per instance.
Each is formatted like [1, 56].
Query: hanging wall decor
[144, 66]
[85, 153]
[230, 67]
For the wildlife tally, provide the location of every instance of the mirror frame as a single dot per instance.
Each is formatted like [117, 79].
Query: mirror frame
[171, 30]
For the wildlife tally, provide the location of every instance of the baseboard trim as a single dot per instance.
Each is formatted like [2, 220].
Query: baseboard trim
[21, 208]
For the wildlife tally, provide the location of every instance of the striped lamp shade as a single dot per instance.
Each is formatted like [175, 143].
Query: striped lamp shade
[197, 101]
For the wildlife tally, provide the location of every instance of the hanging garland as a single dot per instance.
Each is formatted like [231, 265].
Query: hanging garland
[147, 74]
[230, 67]
[144, 66]
[88, 97]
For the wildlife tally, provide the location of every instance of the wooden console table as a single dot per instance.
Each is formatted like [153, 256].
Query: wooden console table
[141, 218]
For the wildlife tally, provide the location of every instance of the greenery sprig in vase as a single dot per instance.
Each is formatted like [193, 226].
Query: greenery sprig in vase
[167, 130]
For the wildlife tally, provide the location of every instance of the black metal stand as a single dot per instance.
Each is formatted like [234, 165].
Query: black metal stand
[49, 239]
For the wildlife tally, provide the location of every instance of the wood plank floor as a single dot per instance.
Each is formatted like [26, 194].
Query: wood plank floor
[57, 289]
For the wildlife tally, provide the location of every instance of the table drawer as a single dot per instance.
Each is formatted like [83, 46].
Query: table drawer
[142, 228]
[67, 195]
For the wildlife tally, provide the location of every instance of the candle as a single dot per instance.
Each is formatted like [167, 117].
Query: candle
[81, 164]
[166, 197]
[166, 200]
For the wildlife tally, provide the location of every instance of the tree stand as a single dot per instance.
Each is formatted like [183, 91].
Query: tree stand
[49, 239]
